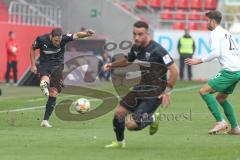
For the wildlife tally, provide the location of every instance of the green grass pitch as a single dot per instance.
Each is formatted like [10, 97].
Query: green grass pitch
[182, 138]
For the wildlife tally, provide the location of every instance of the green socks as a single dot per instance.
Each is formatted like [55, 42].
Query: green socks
[213, 106]
[227, 107]
[229, 112]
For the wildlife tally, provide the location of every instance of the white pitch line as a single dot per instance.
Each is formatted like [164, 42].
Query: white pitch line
[186, 88]
[41, 107]
[45, 98]
[22, 109]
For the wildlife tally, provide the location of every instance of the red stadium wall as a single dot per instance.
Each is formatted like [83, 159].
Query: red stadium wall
[25, 35]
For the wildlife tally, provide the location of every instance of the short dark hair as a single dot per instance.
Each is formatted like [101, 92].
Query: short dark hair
[10, 33]
[216, 15]
[141, 24]
[57, 32]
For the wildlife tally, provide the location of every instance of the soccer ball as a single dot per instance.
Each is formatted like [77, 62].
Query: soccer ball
[82, 105]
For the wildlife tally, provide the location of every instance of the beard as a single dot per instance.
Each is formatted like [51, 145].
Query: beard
[140, 44]
[210, 28]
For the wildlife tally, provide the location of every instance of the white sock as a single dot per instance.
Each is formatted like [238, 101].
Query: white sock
[223, 121]
[153, 118]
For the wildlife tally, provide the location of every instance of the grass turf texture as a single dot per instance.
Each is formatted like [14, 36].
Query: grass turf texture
[181, 138]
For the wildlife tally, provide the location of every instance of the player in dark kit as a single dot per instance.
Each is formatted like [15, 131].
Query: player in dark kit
[52, 47]
[153, 89]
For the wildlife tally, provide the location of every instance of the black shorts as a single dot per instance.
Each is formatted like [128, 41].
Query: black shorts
[142, 100]
[55, 75]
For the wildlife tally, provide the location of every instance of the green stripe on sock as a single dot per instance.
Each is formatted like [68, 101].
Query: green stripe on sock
[230, 114]
[213, 106]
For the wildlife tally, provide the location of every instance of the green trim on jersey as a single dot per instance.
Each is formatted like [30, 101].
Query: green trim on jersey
[225, 81]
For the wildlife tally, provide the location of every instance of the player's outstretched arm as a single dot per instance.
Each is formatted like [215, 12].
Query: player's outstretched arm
[118, 63]
[194, 61]
[173, 75]
[33, 61]
[84, 34]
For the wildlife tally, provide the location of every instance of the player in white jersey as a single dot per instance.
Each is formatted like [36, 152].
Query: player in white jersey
[227, 51]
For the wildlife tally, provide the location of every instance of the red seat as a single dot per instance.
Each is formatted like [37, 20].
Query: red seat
[204, 18]
[169, 4]
[194, 15]
[141, 3]
[180, 14]
[211, 4]
[3, 11]
[142, 18]
[125, 6]
[203, 26]
[184, 4]
[192, 26]
[196, 4]
[166, 14]
[178, 26]
[156, 4]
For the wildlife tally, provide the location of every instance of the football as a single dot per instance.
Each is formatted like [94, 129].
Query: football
[82, 105]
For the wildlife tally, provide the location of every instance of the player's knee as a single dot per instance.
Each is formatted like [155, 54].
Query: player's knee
[202, 91]
[221, 98]
[120, 113]
[45, 78]
[131, 125]
[53, 92]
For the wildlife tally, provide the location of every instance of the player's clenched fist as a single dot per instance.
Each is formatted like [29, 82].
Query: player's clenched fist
[34, 69]
[90, 32]
[166, 100]
[192, 61]
[107, 67]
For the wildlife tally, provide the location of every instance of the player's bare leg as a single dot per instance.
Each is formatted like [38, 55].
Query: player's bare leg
[206, 94]
[44, 85]
[131, 124]
[229, 112]
[49, 107]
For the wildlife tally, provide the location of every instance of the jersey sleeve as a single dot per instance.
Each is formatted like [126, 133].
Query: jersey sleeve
[131, 55]
[36, 44]
[67, 38]
[215, 48]
[164, 57]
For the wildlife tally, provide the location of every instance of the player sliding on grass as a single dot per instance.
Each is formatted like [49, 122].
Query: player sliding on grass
[52, 47]
[140, 104]
[227, 51]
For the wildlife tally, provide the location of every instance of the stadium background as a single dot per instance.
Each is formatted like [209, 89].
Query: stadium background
[112, 20]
